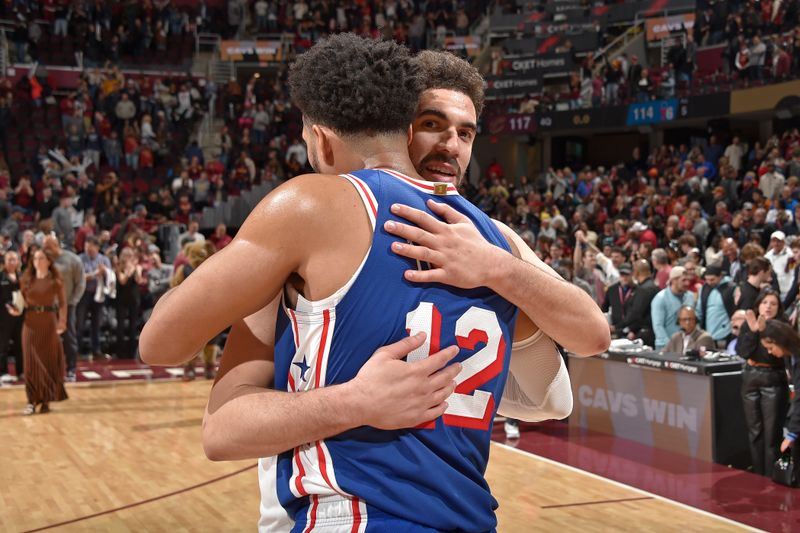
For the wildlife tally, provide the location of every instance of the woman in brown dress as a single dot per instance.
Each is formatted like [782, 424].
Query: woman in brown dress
[45, 320]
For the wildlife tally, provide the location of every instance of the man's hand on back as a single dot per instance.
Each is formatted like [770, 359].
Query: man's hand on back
[455, 249]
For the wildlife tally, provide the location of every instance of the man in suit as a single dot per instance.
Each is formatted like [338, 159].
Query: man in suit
[619, 298]
[690, 337]
[636, 323]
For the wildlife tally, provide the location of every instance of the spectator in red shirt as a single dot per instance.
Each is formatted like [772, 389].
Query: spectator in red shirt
[220, 239]
[89, 228]
[643, 234]
[781, 62]
[146, 162]
[67, 106]
[131, 149]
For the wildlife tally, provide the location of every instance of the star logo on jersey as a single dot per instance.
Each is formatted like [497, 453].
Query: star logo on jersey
[303, 368]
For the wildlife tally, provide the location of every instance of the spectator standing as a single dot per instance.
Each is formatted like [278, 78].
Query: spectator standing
[10, 325]
[780, 256]
[782, 341]
[98, 274]
[664, 307]
[735, 152]
[758, 55]
[128, 303]
[716, 304]
[619, 298]
[791, 297]
[637, 322]
[70, 268]
[765, 388]
[125, 109]
[662, 266]
[772, 182]
[759, 276]
[62, 219]
[159, 275]
[45, 320]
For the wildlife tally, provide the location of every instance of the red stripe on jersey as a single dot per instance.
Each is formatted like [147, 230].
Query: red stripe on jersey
[326, 322]
[436, 331]
[294, 327]
[421, 184]
[367, 194]
[301, 473]
[323, 468]
[313, 520]
[435, 336]
[292, 387]
[356, 516]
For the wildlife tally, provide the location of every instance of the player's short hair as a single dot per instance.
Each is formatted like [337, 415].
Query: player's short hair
[356, 86]
[443, 70]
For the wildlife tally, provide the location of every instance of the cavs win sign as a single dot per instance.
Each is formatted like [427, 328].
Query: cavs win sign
[251, 51]
[661, 27]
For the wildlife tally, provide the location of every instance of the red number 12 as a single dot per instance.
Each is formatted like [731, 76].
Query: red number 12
[468, 406]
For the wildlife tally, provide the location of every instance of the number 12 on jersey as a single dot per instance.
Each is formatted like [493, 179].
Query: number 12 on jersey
[468, 406]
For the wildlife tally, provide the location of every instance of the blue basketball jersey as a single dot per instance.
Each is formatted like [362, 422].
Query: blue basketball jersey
[433, 475]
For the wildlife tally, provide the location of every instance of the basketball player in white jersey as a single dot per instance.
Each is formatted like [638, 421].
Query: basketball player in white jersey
[436, 159]
[443, 132]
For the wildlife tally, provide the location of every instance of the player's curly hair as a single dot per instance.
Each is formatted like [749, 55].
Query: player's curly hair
[444, 70]
[356, 85]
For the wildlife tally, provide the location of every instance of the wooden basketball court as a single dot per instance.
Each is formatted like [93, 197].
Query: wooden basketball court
[128, 457]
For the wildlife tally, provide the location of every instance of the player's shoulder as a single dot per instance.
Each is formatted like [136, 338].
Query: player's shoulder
[306, 194]
[510, 236]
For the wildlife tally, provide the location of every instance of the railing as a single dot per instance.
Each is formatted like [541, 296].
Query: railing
[622, 41]
[3, 53]
[206, 40]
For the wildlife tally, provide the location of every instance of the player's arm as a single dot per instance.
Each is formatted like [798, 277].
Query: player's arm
[465, 259]
[245, 419]
[538, 386]
[235, 282]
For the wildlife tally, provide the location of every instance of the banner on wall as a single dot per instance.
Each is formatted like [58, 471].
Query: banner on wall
[661, 27]
[544, 64]
[510, 85]
[471, 44]
[251, 51]
[666, 410]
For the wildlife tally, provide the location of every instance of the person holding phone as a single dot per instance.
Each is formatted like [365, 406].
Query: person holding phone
[45, 320]
[765, 390]
[782, 340]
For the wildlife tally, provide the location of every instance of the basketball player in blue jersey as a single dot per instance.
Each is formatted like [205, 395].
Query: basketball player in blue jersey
[333, 302]
[538, 387]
